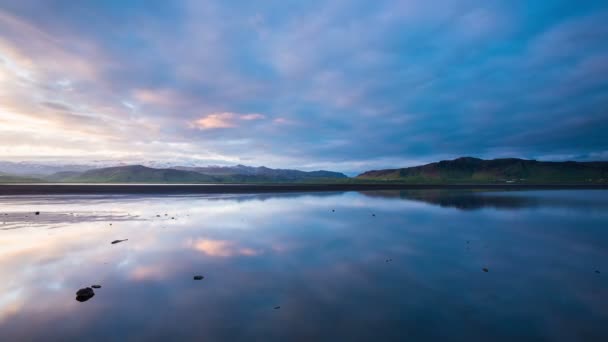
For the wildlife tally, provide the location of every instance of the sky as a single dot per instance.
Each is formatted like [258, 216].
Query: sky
[345, 85]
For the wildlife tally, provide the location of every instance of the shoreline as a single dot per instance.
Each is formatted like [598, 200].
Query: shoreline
[170, 189]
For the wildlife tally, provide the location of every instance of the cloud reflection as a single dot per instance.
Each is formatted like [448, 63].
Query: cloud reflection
[220, 248]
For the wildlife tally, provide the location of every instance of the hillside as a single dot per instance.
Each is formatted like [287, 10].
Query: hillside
[511, 170]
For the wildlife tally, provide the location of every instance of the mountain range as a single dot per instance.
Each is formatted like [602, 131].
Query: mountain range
[458, 171]
[211, 174]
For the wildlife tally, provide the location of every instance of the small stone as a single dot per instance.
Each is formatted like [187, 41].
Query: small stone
[37, 213]
[198, 277]
[333, 210]
[374, 215]
[84, 294]
[117, 241]
[597, 271]
[173, 218]
[277, 307]
[96, 286]
[485, 269]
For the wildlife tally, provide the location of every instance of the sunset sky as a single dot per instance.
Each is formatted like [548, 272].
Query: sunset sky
[340, 85]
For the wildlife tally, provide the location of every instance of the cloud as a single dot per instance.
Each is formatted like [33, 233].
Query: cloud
[224, 120]
[342, 84]
[159, 97]
[253, 116]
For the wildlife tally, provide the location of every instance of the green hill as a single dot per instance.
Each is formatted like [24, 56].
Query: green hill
[510, 170]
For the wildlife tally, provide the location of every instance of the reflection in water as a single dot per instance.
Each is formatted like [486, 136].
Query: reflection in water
[478, 199]
[321, 259]
[460, 199]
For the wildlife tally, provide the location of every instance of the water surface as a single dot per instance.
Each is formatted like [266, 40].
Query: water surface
[384, 265]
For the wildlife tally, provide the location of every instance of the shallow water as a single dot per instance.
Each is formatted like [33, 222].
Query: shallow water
[386, 265]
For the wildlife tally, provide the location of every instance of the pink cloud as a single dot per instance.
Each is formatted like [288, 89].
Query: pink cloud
[216, 120]
[224, 120]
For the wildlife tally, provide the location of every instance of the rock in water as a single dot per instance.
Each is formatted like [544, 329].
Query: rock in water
[117, 241]
[277, 307]
[96, 286]
[84, 294]
[198, 277]
[485, 269]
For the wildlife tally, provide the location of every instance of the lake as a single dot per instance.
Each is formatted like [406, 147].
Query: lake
[458, 265]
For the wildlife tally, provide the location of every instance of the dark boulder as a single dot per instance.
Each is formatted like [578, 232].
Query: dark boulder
[84, 294]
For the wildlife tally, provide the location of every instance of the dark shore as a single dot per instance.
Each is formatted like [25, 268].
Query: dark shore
[91, 189]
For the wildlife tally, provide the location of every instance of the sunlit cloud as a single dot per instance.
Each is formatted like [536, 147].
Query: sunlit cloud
[224, 120]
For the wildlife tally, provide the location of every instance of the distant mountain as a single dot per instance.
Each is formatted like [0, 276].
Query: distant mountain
[39, 169]
[264, 172]
[6, 178]
[132, 174]
[143, 174]
[510, 170]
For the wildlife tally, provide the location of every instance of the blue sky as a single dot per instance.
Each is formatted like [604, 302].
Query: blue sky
[342, 85]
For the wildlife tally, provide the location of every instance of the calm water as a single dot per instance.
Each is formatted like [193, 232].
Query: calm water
[403, 265]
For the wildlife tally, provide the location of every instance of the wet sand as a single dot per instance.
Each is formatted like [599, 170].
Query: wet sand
[54, 189]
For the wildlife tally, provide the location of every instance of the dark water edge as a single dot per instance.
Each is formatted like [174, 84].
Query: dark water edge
[54, 189]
